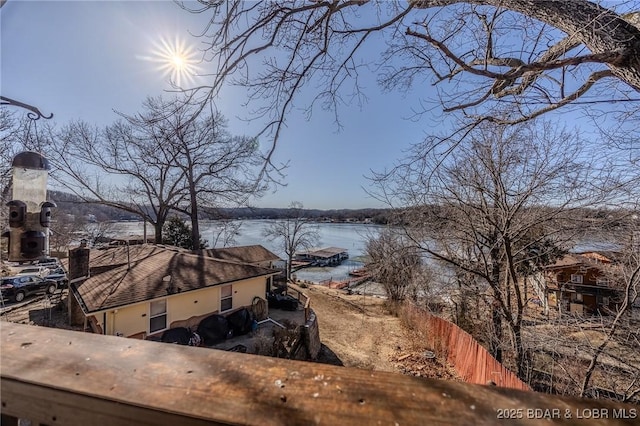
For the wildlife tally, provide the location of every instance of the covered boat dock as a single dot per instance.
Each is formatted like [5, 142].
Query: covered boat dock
[328, 256]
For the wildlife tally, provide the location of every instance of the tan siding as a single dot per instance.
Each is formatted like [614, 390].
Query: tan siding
[108, 327]
[134, 319]
[129, 320]
[199, 302]
[243, 293]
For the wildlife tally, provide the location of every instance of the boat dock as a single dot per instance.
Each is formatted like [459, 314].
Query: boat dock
[328, 256]
[349, 282]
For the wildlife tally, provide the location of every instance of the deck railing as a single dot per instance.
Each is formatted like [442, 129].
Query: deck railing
[296, 292]
[60, 377]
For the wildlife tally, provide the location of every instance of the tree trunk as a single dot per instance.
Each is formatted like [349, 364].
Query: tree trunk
[289, 260]
[496, 339]
[496, 317]
[461, 307]
[157, 226]
[520, 359]
[195, 226]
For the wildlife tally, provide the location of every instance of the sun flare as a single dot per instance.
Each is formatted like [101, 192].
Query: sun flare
[177, 61]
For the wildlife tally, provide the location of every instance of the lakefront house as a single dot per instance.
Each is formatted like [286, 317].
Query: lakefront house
[141, 290]
[579, 283]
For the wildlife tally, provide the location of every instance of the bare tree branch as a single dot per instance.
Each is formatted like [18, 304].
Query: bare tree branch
[524, 57]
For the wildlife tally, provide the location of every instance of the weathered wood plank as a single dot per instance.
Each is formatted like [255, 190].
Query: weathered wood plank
[49, 406]
[62, 377]
[311, 334]
[6, 420]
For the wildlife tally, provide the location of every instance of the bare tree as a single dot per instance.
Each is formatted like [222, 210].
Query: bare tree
[492, 210]
[496, 60]
[595, 356]
[68, 229]
[7, 129]
[119, 166]
[397, 265]
[295, 233]
[96, 232]
[64, 230]
[215, 168]
[225, 233]
[625, 276]
[160, 160]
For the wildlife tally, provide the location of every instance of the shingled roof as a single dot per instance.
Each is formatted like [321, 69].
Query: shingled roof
[568, 260]
[138, 276]
[121, 255]
[588, 259]
[243, 254]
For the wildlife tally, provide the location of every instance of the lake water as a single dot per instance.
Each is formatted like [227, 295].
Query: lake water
[350, 236]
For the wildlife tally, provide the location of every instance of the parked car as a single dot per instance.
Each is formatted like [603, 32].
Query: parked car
[17, 288]
[40, 271]
[59, 275]
[38, 267]
[49, 262]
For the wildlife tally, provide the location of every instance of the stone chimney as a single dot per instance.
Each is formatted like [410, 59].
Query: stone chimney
[79, 262]
[78, 268]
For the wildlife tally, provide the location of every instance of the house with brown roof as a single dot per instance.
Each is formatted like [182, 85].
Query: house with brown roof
[255, 255]
[578, 283]
[143, 289]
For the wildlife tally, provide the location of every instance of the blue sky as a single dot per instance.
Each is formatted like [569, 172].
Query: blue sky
[82, 60]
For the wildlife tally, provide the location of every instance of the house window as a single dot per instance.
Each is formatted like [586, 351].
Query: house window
[158, 315]
[602, 281]
[576, 278]
[226, 298]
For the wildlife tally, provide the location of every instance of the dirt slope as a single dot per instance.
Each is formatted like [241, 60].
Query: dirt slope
[362, 333]
[357, 329]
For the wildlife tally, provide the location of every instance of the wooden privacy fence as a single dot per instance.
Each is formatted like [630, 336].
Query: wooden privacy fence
[472, 362]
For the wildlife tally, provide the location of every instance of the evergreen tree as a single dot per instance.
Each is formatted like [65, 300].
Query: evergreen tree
[176, 232]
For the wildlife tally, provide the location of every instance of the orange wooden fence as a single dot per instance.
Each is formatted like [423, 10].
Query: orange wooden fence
[472, 362]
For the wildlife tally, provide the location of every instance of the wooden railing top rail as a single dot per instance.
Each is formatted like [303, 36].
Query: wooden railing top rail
[300, 295]
[302, 298]
[54, 376]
